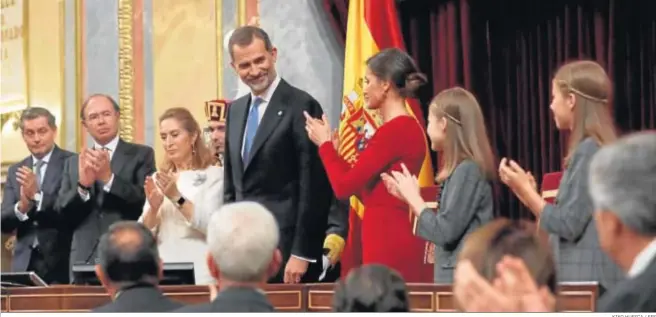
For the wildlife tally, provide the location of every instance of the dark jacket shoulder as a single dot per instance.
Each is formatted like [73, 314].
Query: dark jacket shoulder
[234, 299]
[637, 294]
[140, 299]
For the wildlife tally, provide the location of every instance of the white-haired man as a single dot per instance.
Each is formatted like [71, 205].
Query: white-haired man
[623, 189]
[242, 239]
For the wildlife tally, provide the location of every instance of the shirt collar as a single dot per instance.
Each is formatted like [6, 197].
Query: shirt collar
[45, 159]
[266, 96]
[111, 145]
[643, 259]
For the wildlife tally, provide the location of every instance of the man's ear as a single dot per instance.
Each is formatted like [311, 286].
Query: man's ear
[276, 264]
[274, 54]
[213, 267]
[100, 273]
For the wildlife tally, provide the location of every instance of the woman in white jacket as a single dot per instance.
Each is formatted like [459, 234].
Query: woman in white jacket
[182, 195]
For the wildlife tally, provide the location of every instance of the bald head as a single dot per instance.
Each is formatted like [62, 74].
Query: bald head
[127, 252]
[623, 181]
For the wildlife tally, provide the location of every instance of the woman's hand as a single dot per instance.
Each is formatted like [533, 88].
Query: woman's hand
[515, 177]
[318, 129]
[391, 185]
[335, 139]
[407, 186]
[155, 198]
[167, 184]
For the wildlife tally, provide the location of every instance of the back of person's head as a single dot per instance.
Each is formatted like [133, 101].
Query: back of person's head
[585, 85]
[399, 69]
[457, 128]
[488, 245]
[127, 254]
[371, 288]
[622, 186]
[242, 240]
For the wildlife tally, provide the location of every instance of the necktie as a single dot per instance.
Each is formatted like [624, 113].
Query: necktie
[39, 182]
[251, 127]
[39, 175]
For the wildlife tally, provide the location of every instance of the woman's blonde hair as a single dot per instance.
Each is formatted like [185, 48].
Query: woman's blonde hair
[592, 88]
[466, 134]
[201, 155]
[485, 247]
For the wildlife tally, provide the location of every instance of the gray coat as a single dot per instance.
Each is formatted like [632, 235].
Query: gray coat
[465, 204]
[572, 230]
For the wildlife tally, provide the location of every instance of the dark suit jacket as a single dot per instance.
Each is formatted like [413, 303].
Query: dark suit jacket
[139, 299]
[131, 163]
[284, 173]
[233, 300]
[637, 294]
[54, 239]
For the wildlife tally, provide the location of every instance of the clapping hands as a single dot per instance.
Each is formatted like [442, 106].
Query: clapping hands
[318, 129]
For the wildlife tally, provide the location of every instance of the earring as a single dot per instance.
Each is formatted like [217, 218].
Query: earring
[193, 149]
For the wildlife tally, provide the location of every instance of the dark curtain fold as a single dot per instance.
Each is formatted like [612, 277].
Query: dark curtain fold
[337, 11]
[506, 51]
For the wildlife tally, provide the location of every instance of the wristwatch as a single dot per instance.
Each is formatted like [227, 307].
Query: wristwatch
[180, 201]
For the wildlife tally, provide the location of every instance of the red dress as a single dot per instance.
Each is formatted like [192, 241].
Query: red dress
[386, 227]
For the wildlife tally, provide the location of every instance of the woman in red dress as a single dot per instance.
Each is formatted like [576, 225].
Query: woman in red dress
[387, 237]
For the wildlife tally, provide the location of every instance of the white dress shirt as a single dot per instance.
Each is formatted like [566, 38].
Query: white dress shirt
[38, 197]
[111, 146]
[642, 260]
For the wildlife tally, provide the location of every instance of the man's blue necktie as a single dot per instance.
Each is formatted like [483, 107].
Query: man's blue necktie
[251, 128]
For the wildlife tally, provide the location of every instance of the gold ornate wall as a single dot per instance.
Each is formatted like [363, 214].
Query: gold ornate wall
[45, 44]
[184, 58]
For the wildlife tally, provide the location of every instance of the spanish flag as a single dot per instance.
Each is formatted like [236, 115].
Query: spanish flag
[373, 25]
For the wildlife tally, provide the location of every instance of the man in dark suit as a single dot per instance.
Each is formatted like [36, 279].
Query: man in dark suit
[242, 239]
[270, 159]
[622, 184]
[103, 184]
[42, 243]
[129, 268]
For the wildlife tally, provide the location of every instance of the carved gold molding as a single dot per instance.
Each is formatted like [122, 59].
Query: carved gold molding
[126, 69]
[79, 69]
[218, 12]
[241, 12]
[15, 114]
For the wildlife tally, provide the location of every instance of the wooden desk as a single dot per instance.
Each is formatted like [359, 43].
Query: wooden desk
[308, 297]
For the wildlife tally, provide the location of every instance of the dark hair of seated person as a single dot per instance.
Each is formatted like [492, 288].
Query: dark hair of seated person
[127, 253]
[486, 247]
[371, 288]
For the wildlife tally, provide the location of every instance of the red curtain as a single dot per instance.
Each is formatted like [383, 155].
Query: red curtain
[506, 51]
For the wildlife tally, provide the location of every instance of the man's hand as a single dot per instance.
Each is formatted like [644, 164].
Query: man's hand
[28, 182]
[101, 163]
[24, 202]
[85, 169]
[295, 270]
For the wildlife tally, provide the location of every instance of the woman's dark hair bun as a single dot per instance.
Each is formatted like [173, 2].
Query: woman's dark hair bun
[412, 84]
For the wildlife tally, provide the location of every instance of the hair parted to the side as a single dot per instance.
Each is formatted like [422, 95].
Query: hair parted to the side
[397, 67]
[487, 246]
[588, 82]
[202, 156]
[466, 133]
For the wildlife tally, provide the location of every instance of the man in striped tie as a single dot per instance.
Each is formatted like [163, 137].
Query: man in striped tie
[42, 243]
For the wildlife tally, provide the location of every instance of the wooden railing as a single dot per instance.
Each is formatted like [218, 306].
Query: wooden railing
[580, 297]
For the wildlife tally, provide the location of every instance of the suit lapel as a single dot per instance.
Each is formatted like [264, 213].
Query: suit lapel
[119, 157]
[53, 168]
[275, 110]
[236, 127]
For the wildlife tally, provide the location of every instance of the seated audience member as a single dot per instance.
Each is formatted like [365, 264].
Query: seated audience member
[515, 248]
[371, 288]
[129, 268]
[623, 190]
[242, 239]
[184, 192]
